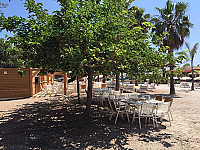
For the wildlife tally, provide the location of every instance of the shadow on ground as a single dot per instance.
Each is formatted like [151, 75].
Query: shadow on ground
[60, 124]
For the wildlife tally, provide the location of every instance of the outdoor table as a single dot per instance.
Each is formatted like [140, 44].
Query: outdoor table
[153, 101]
[138, 99]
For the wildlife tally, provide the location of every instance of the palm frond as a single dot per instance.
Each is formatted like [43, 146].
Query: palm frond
[194, 51]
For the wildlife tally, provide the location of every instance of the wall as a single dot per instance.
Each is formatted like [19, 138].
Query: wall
[12, 85]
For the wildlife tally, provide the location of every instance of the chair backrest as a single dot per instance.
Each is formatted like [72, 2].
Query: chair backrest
[147, 109]
[41, 87]
[106, 95]
[164, 107]
[96, 89]
[112, 104]
[111, 96]
[182, 84]
[186, 84]
[116, 93]
[112, 84]
[108, 104]
[152, 85]
[158, 97]
[168, 99]
[104, 89]
[144, 87]
[58, 88]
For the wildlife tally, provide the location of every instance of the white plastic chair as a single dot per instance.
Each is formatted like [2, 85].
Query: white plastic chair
[142, 88]
[169, 99]
[116, 110]
[58, 88]
[152, 86]
[162, 110]
[116, 93]
[42, 90]
[146, 111]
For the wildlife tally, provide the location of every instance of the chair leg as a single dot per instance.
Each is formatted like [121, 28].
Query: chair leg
[133, 117]
[171, 115]
[110, 117]
[153, 121]
[169, 119]
[127, 116]
[116, 117]
[139, 122]
[156, 121]
[161, 117]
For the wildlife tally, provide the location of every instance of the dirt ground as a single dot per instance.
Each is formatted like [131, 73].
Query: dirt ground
[59, 123]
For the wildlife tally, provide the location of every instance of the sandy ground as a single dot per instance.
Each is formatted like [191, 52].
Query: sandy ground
[59, 123]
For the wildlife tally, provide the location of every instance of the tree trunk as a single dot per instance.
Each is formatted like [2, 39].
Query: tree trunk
[192, 87]
[172, 89]
[136, 82]
[78, 91]
[89, 93]
[117, 82]
[104, 79]
[122, 77]
[98, 79]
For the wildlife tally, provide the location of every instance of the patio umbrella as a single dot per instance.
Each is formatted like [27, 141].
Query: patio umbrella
[185, 78]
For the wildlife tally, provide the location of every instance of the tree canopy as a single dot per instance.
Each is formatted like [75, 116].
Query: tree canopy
[8, 59]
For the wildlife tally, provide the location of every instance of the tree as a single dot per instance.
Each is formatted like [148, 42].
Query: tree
[173, 20]
[192, 53]
[7, 59]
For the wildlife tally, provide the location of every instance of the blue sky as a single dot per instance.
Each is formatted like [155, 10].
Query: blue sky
[15, 7]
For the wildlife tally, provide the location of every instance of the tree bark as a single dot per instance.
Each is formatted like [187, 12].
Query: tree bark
[122, 77]
[104, 79]
[136, 82]
[117, 82]
[89, 93]
[172, 89]
[78, 91]
[192, 87]
[98, 79]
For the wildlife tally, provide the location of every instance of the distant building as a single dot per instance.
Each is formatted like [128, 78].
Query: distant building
[187, 72]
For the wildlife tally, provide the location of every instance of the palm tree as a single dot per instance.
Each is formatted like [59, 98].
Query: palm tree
[192, 53]
[173, 20]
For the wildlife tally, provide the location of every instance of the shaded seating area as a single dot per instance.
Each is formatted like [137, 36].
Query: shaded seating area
[184, 85]
[135, 106]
